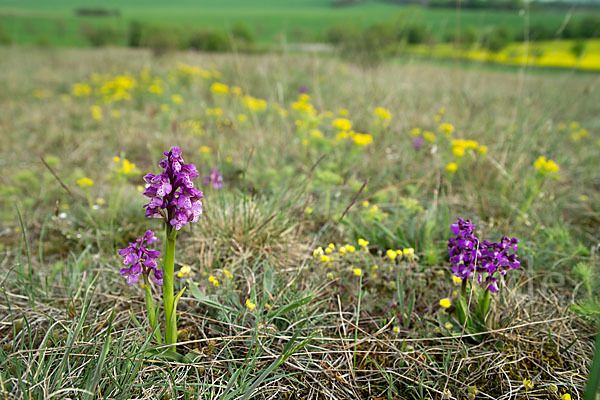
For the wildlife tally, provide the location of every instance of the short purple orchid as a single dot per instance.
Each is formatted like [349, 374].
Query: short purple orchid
[172, 193]
[215, 179]
[471, 256]
[417, 143]
[141, 260]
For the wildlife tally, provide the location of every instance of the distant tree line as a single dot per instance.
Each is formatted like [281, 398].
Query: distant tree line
[164, 38]
[97, 12]
[480, 4]
[390, 38]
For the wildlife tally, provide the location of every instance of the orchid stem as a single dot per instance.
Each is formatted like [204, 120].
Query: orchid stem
[151, 309]
[168, 295]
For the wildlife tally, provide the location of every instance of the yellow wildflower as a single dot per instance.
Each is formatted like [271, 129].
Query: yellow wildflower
[357, 271]
[544, 166]
[365, 204]
[528, 384]
[184, 271]
[456, 279]
[446, 303]
[81, 89]
[242, 117]
[429, 136]
[451, 167]
[458, 151]
[566, 396]
[85, 182]
[448, 325]
[350, 248]
[391, 254]
[382, 113]
[362, 139]
[236, 90]
[343, 112]
[227, 273]
[396, 330]
[317, 134]
[217, 112]
[446, 128]
[96, 112]
[205, 149]
[415, 131]
[318, 252]
[308, 210]
[177, 99]
[363, 243]
[325, 259]
[213, 280]
[482, 149]
[219, 88]
[250, 304]
[342, 124]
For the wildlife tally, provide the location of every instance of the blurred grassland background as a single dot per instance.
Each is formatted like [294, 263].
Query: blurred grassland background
[330, 121]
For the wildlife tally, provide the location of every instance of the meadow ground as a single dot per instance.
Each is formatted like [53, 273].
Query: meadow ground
[323, 169]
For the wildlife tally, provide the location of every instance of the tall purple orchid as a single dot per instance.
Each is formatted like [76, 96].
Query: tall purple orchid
[172, 194]
[175, 200]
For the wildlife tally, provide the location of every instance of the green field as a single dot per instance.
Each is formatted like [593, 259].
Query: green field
[54, 23]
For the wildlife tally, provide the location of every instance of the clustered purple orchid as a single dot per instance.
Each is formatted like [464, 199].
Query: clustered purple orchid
[141, 260]
[471, 256]
[172, 193]
[215, 179]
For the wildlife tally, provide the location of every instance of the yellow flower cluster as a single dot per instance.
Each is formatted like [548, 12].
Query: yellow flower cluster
[326, 255]
[544, 166]
[186, 72]
[213, 280]
[362, 139]
[219, 88]
[250, 304]
[427, 135]
[382, 114]
[254, 104]
[85, 182]
[96, 112]
[342, 124]
[408, 253]
[459, 146]
[81, 89]
[125, 167]
[303, 104]
[117, 88]
[446, 128]
[184, 271]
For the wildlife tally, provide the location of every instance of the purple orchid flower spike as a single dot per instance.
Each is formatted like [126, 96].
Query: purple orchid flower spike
[172, 193]
[141, 260]
[486, 260]
[215, 179]
[417, 143]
